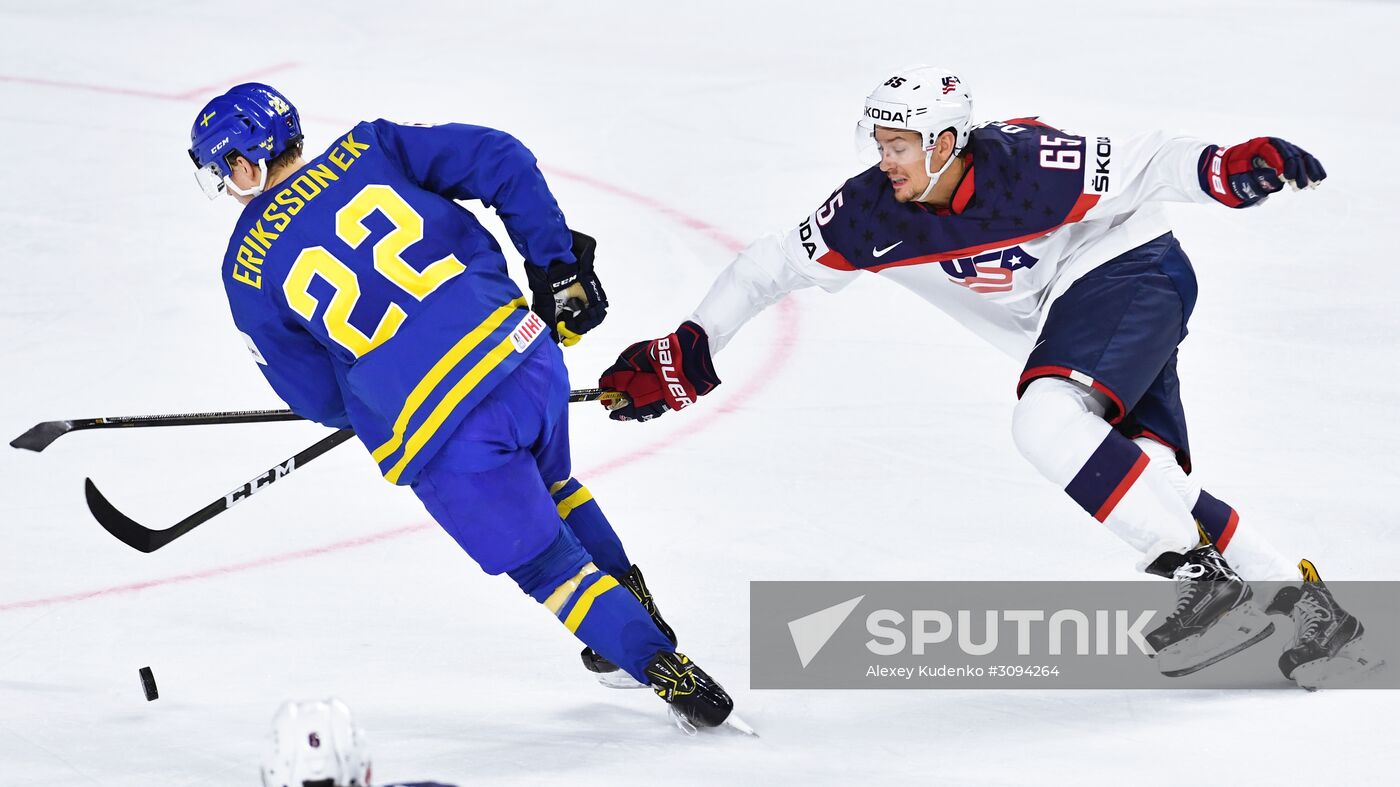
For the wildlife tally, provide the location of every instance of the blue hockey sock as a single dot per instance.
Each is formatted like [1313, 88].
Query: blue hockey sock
[581, 513]
[592, 605]
[608, 618]
[1217, 519]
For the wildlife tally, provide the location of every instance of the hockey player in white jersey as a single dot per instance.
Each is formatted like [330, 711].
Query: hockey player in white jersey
[1053, 247]
[316, 743]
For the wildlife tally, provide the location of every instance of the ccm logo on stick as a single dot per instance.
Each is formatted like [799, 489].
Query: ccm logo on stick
[258, 484]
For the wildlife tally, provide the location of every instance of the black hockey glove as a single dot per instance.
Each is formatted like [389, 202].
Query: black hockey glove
[568, 296]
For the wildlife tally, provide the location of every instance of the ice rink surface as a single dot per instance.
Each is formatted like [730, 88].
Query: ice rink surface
[860, 436]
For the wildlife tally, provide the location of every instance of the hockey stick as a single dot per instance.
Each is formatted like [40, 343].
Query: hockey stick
[138, 536]
[40, 436]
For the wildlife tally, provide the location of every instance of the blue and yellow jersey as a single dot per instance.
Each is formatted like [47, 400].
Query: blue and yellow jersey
[371, 299]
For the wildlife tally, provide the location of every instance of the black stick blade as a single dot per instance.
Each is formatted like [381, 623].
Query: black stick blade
[138, 536]
[118, 524]
[40, 436]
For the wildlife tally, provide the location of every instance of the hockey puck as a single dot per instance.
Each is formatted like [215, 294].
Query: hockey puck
[148, 683]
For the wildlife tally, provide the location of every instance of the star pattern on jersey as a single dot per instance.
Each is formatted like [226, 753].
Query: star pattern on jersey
[1007, 197]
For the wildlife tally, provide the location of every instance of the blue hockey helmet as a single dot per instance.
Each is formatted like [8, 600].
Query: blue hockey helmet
[251, 119]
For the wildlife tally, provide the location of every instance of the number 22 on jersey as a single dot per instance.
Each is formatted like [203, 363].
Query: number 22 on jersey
[388, 261]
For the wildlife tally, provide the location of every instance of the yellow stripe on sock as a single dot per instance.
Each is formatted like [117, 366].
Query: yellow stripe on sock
[580, 610]
[445, 364]
[568, 504]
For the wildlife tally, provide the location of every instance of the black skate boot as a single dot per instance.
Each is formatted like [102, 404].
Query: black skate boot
[1214, 616]
[695, 698]
[608, 673]
[1327, 646]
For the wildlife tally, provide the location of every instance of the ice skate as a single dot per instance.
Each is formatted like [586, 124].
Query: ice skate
[1214, 617]
[1328, 646]
[608, 673]
[695, 698]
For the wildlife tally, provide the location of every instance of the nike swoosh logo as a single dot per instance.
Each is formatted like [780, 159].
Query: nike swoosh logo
[881, 252]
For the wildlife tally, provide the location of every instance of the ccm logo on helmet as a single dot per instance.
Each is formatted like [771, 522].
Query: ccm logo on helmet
[669, 374]
[219, 146]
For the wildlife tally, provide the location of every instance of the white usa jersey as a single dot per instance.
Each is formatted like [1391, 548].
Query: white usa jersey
[1036, 209]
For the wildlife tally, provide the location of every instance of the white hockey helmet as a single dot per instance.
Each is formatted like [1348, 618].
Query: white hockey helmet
[316, 742]
[925, 99]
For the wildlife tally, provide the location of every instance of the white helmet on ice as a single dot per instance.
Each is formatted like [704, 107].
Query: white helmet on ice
[924, 99]
[316, 742]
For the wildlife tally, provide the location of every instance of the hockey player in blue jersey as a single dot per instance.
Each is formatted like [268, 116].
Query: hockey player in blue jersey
[370, 299]
[1053, 247]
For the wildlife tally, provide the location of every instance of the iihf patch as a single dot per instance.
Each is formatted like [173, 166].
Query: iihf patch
[527, 331]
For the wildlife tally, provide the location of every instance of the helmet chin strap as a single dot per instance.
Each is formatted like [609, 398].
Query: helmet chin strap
[256, 190]
[934, 176]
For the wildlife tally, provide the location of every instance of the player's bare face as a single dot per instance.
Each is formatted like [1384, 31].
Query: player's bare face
[902, 161]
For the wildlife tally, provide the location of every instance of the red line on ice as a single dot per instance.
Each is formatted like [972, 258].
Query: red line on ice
[219, 571]
[127, 91]
[778, 355]
[121, 91]
[231, 81]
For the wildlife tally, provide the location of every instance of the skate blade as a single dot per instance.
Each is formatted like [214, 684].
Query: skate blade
[619, 679]
[732, 722]
[739, 725]
[1351, 666]
[1216, 643]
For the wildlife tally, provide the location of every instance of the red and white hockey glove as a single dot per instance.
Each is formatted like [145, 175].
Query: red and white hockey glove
[663, 374]
[1246, 174]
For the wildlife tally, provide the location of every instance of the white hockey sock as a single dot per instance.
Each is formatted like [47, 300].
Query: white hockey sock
[1247, 551]
[1058, 426]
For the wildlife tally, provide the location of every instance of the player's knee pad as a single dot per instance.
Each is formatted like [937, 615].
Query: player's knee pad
[567, 589]
[1057, 425]
[563, 559]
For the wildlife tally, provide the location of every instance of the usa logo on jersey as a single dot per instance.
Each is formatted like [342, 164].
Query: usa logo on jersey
[991, 272]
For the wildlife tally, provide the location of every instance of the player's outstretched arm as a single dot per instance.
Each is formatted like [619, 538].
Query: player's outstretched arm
[1246, 174]
[671, 372]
